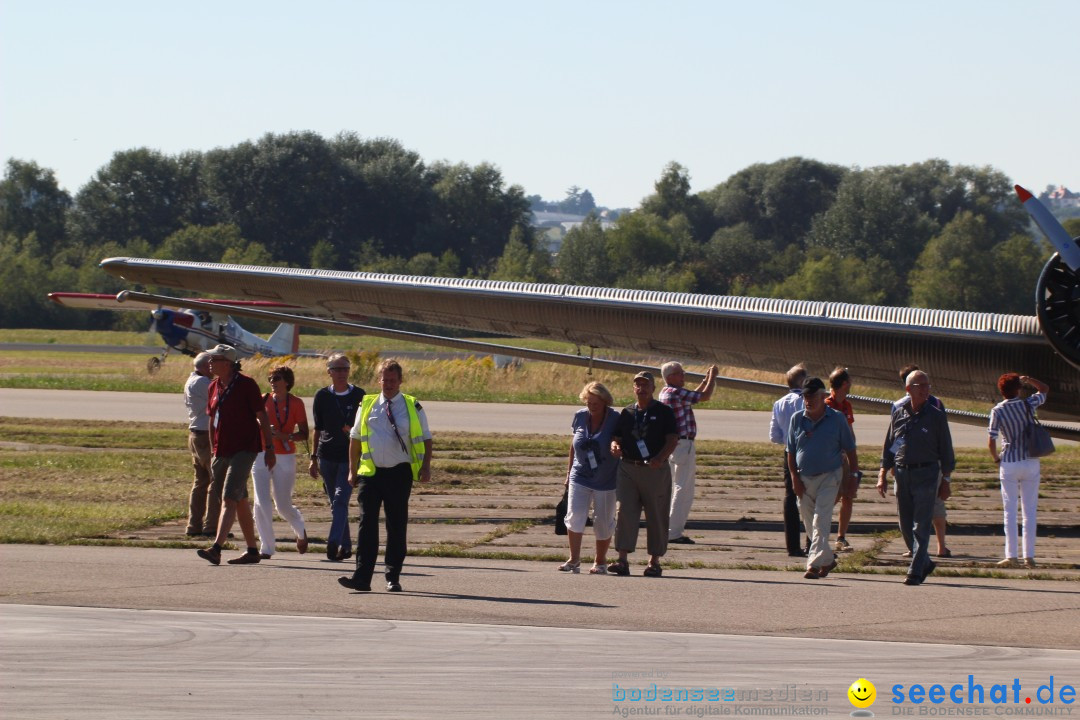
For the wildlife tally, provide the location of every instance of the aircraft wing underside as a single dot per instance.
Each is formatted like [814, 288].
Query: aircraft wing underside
[964, 352]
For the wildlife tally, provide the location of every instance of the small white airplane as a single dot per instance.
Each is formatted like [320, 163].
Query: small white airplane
[193, 331]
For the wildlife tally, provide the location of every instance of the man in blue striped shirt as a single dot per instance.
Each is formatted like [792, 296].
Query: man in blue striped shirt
[1019, 473]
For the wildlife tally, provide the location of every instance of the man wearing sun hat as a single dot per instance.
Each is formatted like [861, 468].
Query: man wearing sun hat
[239, 429]
[817, 440]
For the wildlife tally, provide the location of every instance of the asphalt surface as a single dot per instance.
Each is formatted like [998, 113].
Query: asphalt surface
[735, 425]
[123, 632]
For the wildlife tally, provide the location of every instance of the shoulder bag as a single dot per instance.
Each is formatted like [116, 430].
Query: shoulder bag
[1037, 439]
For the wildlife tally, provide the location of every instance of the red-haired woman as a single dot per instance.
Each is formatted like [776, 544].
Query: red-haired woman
[1019, 473]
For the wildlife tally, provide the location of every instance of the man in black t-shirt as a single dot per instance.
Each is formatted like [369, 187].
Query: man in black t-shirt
[644, 440]
[334, 411]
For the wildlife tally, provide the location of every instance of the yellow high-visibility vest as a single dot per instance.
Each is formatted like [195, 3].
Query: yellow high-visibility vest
[416, 436]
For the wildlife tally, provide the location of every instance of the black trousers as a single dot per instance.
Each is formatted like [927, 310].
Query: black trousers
[388, 488]
[792, 520]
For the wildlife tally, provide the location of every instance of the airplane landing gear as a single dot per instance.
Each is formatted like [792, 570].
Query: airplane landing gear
[154, 363]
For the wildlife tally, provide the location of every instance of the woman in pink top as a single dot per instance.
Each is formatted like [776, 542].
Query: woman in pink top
[288, 425]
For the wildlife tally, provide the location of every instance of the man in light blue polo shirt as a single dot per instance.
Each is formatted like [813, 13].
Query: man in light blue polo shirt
[817, 439]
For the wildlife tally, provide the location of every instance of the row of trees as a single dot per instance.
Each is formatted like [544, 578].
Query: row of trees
[927, 234]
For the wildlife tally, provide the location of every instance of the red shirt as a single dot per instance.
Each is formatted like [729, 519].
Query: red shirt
[234, 425]
[841, 406]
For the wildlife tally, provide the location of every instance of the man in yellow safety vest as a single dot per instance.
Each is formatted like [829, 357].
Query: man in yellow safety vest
[389, 450]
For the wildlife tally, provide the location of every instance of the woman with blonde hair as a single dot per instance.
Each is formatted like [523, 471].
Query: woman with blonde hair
[590, 477]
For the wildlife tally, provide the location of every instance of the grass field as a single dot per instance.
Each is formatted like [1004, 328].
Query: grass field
[462, 378]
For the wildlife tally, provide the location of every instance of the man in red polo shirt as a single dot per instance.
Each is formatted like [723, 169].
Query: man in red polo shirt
[239, 427]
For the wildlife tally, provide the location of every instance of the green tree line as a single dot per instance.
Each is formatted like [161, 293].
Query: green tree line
[928, 234]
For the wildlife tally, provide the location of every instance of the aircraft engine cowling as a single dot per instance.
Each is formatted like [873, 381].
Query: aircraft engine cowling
[1057, 305]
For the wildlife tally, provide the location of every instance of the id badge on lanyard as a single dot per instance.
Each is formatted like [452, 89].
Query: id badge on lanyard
[643, 449]
[592, 459]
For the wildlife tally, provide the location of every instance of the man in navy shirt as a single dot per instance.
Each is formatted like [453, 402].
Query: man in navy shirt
[644, 440]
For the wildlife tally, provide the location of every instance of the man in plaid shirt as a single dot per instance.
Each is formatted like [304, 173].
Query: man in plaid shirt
[684, 459]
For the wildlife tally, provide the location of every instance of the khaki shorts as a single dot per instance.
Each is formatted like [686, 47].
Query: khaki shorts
[232, 472]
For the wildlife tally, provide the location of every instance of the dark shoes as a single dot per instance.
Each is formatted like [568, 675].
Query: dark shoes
[682, 540]
[332, 551]
[916, 580]
[816, 573]
[302, 544]
[264, 556]
[619, 567]
[211, 555]
[797, 553]
[194, 532]
[393, 586]
[348, 581]
[653, 570]
[248, 558]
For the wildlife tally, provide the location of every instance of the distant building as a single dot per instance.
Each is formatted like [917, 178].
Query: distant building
[553, 227]
[1060, 197]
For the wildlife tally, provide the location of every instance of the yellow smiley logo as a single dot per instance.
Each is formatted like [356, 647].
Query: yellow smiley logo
[862, 693]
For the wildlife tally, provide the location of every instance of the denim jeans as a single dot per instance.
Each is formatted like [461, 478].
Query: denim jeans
[916, 489]
[335, 477]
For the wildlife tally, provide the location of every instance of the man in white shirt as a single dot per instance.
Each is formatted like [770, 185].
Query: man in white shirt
[783, 409]
[389, 450]
[204, 503]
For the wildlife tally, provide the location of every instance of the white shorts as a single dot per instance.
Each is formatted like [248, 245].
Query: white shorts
[577, 510]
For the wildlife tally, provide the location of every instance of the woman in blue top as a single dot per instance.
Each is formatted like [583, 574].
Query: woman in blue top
[590, 477]
[1019, 473]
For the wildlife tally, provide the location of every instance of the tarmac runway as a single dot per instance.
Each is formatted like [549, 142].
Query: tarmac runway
[113, 632]
[735, 425]
[125, 632]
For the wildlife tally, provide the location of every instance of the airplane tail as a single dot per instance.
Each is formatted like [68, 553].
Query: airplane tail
[286, 339]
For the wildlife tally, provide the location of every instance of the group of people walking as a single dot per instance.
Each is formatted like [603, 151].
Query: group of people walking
[642, 459]
[377, 444]
[621, 464]
[917, 451]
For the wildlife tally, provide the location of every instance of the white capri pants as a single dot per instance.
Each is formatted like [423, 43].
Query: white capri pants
[1020, 481]
[283, 479]
[577, 510]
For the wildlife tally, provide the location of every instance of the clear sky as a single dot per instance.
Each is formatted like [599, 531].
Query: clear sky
[599, 94]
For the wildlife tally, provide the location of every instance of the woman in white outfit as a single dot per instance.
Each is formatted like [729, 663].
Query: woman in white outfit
[288, 425]
[1019, 473]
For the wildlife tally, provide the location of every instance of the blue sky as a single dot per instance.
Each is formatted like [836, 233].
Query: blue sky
[596, 94]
